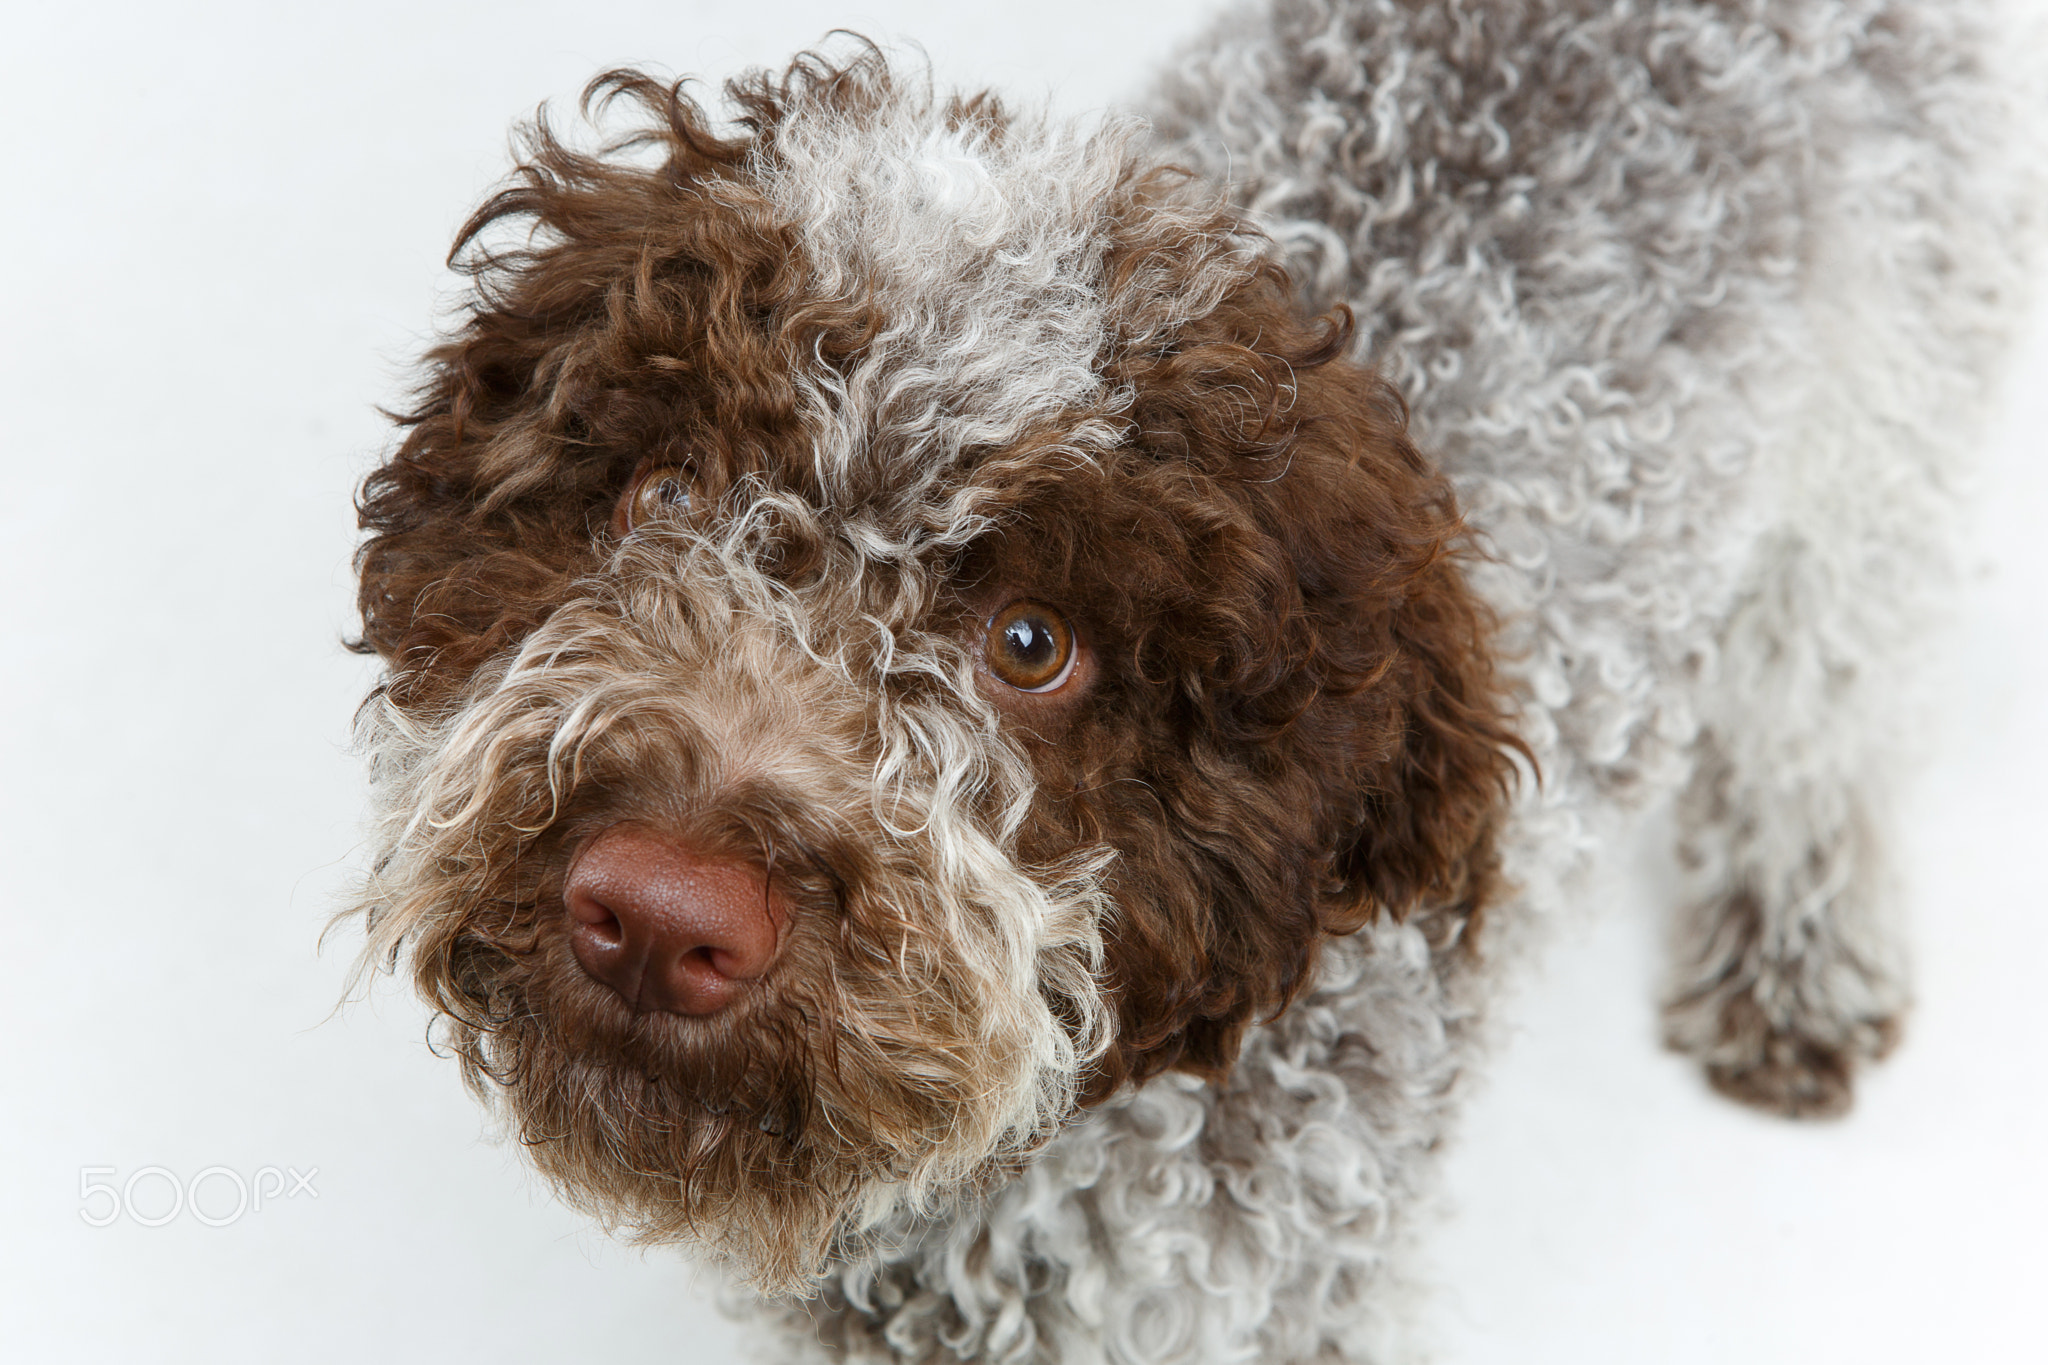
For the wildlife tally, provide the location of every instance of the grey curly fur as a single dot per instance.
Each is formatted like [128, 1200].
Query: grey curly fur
[1696, 302]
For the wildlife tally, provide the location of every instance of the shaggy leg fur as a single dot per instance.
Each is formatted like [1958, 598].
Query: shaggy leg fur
[1790, 969]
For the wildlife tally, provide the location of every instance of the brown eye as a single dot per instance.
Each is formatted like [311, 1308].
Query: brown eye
[657, 491]
[1030, 646]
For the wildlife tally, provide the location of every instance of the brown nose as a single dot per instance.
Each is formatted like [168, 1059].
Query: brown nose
[665, 928]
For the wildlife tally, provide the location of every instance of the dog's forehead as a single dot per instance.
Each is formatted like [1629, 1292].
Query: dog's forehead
[984, 247]
[979, 252]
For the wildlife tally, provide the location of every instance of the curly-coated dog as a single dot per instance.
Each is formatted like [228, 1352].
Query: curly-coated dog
[975, 701]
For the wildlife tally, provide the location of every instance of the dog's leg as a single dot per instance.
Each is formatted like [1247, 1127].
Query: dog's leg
[1913, 223]
[1789, 968]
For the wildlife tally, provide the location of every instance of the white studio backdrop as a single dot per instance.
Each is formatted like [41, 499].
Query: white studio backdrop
[219, 251]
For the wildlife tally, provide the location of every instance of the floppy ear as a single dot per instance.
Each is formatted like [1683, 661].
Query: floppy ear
[1431, 807]
[1403, 655]
[583, 352]
[1319, 737]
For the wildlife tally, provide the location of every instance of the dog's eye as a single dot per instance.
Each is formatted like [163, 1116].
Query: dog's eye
[658, 491]
[1030, 646]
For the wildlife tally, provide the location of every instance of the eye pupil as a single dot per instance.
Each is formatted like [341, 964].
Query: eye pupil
[1030, 643]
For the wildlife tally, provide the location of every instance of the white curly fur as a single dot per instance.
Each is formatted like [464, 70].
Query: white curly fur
[1696, 303]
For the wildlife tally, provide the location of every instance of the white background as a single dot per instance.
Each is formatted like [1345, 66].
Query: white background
[220, 235]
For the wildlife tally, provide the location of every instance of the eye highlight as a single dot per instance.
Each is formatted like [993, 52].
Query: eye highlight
[1030, 646]
[657, 491]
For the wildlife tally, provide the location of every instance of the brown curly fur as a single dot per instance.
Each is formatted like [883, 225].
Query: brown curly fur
[1293, 726]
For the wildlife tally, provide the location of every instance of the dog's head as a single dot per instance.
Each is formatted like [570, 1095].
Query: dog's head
[896, 630]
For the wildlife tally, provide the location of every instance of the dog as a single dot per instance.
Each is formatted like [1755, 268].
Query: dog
[977, 704]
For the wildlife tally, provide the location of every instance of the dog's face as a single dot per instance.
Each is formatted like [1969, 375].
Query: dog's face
[896, 631]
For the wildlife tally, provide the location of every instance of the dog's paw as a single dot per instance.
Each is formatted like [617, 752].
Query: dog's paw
[1782, 1069]
[1794, 1077]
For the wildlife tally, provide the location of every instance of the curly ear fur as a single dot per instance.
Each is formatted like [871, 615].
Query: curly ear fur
[632, 325]
[1307, 730]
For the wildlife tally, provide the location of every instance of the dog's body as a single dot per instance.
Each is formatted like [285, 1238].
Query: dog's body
[1115, 1011]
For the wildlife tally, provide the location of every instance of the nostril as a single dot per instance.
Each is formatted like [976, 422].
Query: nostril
[593, 917]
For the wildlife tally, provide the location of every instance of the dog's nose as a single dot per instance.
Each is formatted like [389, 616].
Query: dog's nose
[665, 928]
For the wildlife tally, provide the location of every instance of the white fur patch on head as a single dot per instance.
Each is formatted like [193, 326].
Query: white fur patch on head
[979, 245]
